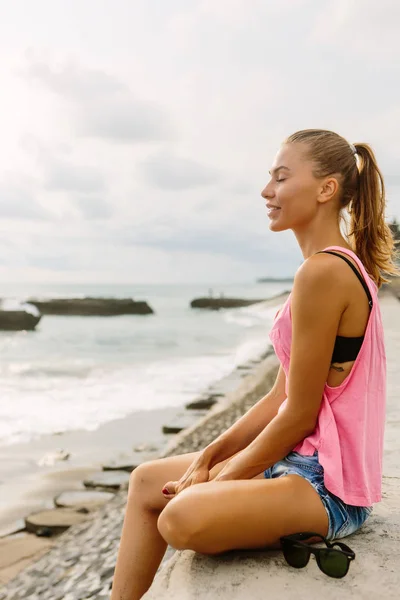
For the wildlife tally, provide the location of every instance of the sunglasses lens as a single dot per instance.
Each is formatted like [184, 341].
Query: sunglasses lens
[296, 556]
[333, 563]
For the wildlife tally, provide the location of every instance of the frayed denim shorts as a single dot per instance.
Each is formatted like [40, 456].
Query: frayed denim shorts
[344, 519]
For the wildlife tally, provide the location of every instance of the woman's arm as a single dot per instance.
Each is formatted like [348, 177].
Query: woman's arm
[318, 301]
[248, 427]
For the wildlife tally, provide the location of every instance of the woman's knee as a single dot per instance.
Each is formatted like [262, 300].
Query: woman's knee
[145, 485]
[177, 523]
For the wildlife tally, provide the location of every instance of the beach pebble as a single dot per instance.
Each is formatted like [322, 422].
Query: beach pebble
[57, 520]
[108, 479]
[77, 499]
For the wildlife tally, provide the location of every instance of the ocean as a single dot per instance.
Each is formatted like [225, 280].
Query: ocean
[80, 372]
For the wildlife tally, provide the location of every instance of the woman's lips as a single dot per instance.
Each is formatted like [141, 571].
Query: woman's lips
[272, 210]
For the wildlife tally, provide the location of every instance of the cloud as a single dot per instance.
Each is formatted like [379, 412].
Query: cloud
[17, 200]
[145, 159]
[74, 178]
[93, 207]
[74, 81]
[362, 28]
[124, 120]
[166, 171]
[104, 107]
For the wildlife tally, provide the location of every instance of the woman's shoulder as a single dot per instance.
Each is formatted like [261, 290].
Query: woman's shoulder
[322, 281]
[319, 269]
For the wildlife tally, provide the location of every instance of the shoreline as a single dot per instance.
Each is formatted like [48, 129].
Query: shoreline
[111, 441]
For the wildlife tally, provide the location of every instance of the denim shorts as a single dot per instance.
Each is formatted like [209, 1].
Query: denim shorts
[344, 519]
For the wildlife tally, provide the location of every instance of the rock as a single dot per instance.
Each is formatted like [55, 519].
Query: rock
[108, 480]
[183, 421]
[18, 317]
[51, 458]
[108, 572]
[130, 464]
[145, 448]
[217, 303]
[44, 532]
[82, 499]
[56, 520]
[104, 307]
[202, 403]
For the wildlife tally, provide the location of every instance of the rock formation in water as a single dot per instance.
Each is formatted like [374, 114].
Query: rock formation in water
[18, 317]
[217, 303]
[103, 307]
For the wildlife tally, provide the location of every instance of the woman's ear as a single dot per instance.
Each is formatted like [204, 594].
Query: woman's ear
[328, 190]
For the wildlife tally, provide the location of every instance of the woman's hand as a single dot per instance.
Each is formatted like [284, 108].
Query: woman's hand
[198, 472]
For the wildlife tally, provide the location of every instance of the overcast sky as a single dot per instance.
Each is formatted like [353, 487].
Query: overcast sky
[136, 136]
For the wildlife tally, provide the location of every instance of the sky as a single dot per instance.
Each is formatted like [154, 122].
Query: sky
[136, 137]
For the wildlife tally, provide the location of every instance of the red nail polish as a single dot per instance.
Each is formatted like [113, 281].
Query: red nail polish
[165, 491]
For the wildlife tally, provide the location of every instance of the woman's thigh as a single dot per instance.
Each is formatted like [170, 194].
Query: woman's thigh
[242, 514]
[149, 478]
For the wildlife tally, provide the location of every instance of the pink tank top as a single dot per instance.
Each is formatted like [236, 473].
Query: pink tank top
[349, 433]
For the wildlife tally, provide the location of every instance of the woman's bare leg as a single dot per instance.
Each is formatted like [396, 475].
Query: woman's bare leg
[142, 547]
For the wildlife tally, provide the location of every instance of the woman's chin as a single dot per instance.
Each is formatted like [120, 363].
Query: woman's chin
[276, 226]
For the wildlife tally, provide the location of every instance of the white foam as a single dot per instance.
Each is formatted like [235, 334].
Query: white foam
[50, 385]
[42, 405]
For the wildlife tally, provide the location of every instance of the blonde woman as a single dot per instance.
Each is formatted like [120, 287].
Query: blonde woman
[308, 456]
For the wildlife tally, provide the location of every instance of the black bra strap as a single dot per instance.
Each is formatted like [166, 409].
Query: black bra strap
[355, 271]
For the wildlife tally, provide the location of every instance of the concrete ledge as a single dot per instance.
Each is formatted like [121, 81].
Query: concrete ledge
[261, 575]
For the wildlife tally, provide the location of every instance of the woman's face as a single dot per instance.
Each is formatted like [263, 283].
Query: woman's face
[292, 189]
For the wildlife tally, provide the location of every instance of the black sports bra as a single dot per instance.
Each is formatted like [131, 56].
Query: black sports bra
[347, 348]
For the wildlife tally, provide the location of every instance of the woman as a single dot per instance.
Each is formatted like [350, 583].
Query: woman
[307, 456]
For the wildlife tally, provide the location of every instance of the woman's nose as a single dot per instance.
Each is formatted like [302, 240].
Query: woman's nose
[267, 192]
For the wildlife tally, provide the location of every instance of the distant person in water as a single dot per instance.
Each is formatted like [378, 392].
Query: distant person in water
[308, 456]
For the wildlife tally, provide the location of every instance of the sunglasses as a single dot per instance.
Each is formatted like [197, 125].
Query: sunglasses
[332, 562]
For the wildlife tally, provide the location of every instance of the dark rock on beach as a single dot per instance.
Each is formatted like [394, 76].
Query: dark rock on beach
[201, 403]
[217, 303]
[100, 307]
[18, 319]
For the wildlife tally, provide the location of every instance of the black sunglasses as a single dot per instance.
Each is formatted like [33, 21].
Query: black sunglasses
[331, 561]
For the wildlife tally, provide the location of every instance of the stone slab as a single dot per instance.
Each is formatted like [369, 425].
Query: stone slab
[201, 403]
[130, 463]
[183, 421]
[108, 480]
[77, 499]
[55, 520]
